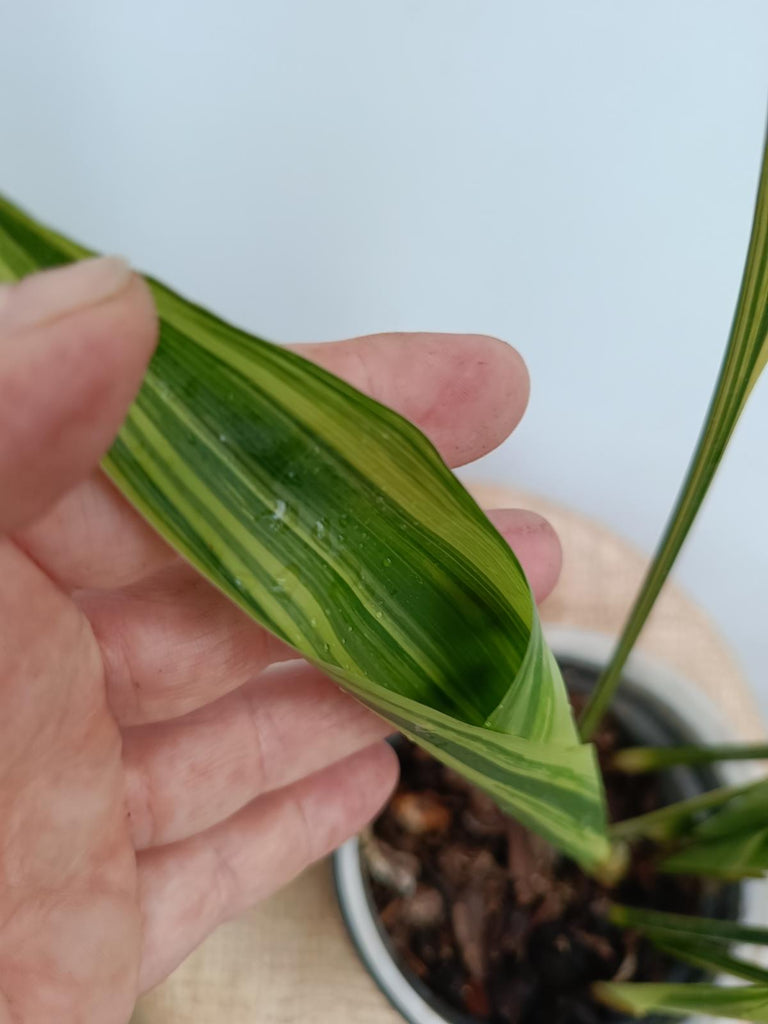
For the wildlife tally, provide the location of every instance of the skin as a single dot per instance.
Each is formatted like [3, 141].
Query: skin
[164, 764]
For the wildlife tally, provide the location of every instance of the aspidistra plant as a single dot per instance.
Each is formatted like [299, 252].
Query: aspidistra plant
[721, 834]
[335, 524]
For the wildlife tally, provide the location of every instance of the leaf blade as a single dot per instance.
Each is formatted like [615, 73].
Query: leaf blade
[711, 957]
[742, 1002]
[681, 817]
[684, 926]
[729, 858]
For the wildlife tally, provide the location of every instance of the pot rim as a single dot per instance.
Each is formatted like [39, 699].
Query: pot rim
[676, 697]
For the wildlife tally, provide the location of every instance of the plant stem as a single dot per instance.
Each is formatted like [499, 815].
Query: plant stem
[635, 760]
[745, 357]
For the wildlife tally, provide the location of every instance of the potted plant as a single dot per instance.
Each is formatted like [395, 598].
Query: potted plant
[461, 915]
[335, 523]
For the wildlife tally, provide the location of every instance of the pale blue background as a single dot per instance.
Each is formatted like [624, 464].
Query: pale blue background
[576, 177]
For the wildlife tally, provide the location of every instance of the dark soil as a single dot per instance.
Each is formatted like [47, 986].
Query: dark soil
[490, 918]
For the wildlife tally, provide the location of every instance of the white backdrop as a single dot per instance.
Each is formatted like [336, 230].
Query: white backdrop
[577, 178]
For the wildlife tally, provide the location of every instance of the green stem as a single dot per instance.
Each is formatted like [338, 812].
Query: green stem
[745, 357]
[635, 760]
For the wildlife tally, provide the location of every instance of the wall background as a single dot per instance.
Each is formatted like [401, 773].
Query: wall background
[575, 178]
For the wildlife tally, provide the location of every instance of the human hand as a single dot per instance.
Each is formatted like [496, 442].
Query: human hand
[164, 762]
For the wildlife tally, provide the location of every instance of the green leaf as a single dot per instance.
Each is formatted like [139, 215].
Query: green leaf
[742, 1002]
[745, 358]
[722, 833]
[683, 817]
[636, 760]
[334, 522]
[682, 927]
[730, 858]
[745, 811]
[699, 941]
[711, 957]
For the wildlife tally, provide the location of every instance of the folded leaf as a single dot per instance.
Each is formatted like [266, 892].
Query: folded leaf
[334, 522]
[742, 1002]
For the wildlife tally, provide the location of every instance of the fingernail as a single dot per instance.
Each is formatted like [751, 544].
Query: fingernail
[56, 293]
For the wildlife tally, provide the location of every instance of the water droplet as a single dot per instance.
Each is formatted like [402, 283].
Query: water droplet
[326, 647]
[313, 621]
[379, 615]
[279, 514]
[223, 438]
[319, 529]
[238, 583]
[343, 641]
[387, 561]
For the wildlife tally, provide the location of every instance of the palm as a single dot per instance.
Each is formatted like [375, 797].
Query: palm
[163, 764]
[72, 932]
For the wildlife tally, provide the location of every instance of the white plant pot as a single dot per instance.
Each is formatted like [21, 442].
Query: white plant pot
[671, 700]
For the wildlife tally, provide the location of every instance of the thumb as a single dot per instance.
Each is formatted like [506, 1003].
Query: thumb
[74, 345]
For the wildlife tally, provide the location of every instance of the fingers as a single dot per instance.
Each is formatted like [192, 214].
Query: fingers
[93, 538]
[69, 926]
[466, 392]
[74, 344]
[172, 643]
[535, 544]
[191, 887]
[189, 774]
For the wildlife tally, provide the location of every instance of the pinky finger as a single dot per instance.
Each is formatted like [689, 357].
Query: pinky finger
[189, 888]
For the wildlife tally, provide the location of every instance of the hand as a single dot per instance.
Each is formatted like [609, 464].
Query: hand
[163, 762]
